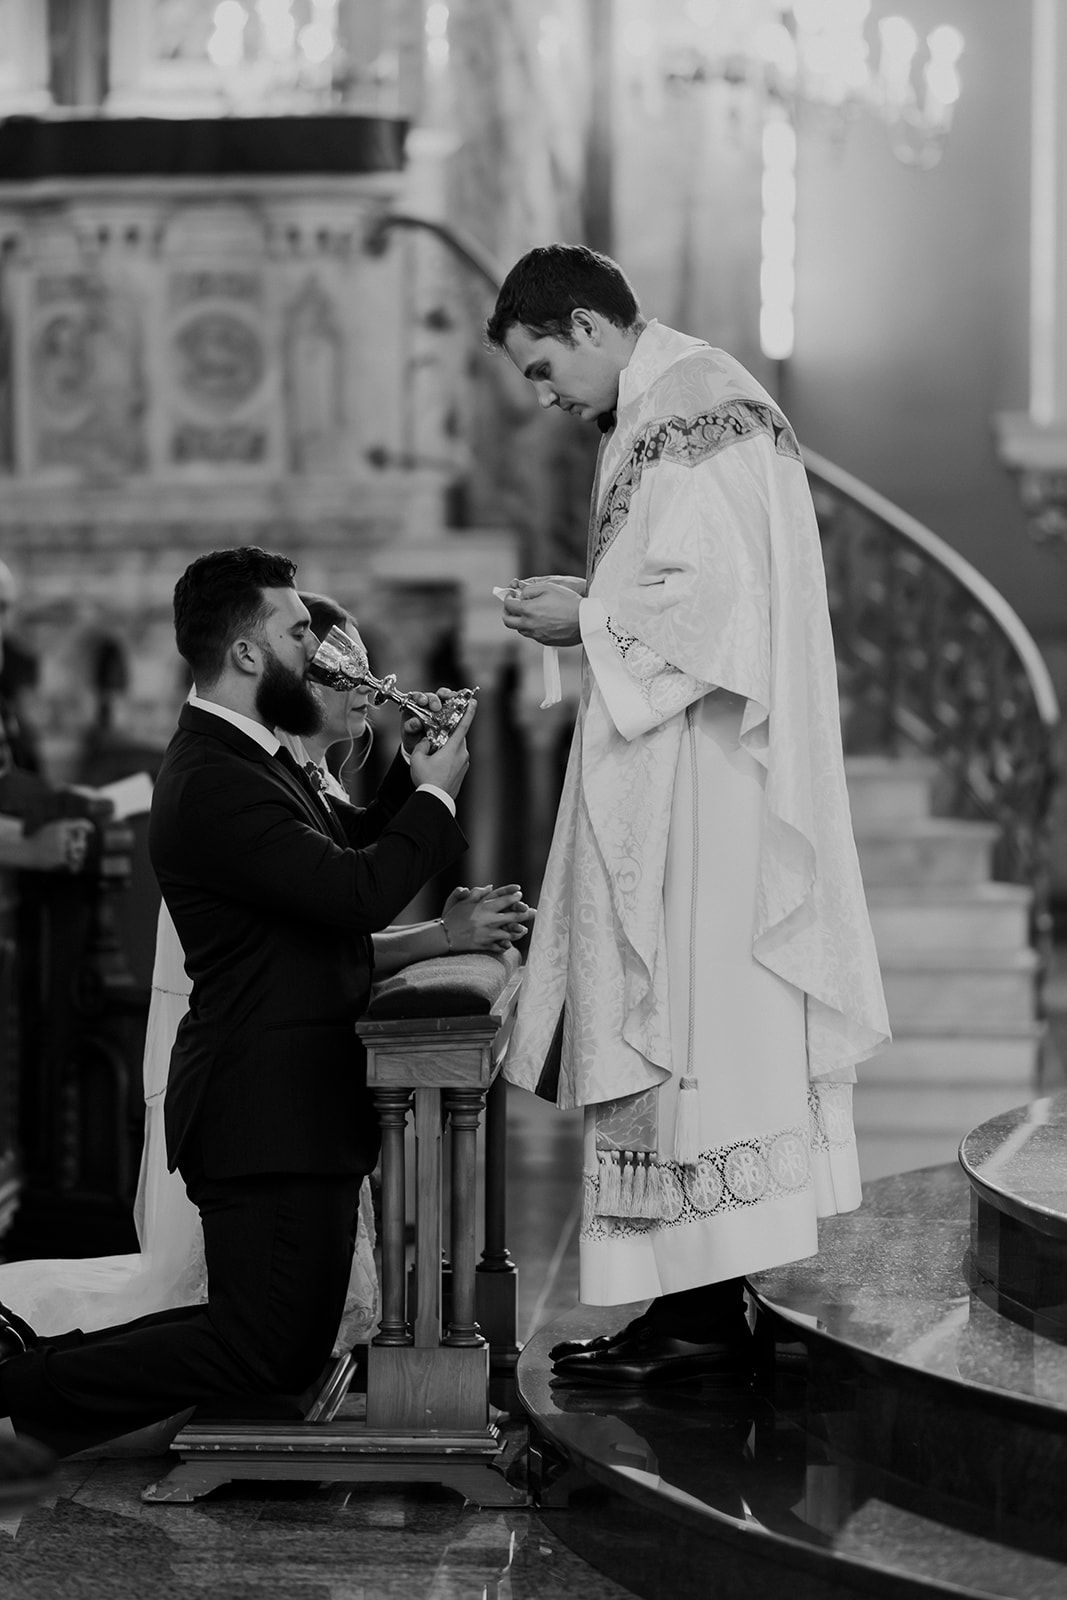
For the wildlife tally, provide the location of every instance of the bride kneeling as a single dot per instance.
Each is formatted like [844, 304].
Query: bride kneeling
[56, 1296]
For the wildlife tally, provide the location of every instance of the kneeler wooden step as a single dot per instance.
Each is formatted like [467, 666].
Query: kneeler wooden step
[436, 1035]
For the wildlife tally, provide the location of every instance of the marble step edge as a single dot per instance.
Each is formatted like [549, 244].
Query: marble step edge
[911, 766]
[922, 829]
[775, 1559]
[914, 1359]
[882, 794]
[973, 998]
[884, 1111]
[1030, 1214]
[907, 1364]
[960, 921]
[985, 893]
[921, 945]
[911, 858]
[958, 1013]
[897, 1369]
[914, 1027]
[975, 1153]
[938, 1028]
[978, 958]
[772, 1561]
[921, 1061]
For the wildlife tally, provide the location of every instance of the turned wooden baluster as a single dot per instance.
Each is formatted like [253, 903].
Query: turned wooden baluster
[464, 1108]
[496, 1279]
[496, 1257]
[393, 1107]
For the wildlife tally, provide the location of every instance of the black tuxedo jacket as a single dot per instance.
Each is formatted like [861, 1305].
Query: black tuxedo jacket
[274, 896]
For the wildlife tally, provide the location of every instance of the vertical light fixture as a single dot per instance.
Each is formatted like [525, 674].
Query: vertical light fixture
[277, 29]
[437, 50]
[778, 236]
[226, 46]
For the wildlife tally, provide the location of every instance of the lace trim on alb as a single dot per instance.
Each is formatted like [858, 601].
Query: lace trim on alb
[629, 1192]
[666, 688]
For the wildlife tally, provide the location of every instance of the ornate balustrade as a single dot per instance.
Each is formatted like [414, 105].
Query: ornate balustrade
[931, 658]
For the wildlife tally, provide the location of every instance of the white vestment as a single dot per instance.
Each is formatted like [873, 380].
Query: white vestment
[702, 960]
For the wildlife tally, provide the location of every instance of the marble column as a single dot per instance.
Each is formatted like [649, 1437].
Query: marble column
[1033, 444]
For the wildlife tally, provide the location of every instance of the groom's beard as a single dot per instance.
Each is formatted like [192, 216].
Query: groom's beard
[286, 700]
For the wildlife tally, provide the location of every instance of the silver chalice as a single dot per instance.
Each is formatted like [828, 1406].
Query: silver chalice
[341, 662]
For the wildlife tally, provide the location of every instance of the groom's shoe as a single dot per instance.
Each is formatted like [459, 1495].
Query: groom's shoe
[651, 1356]
[16, 1335]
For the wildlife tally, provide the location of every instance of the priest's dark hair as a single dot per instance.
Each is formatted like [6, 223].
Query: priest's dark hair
[218, 598]
[547, 284]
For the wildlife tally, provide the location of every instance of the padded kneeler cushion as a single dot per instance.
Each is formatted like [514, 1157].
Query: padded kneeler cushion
[446, 986]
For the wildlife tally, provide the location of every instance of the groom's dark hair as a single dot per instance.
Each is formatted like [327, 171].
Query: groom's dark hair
[220, 597]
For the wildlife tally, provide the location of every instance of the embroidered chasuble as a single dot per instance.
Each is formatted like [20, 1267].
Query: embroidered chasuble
[702, 959]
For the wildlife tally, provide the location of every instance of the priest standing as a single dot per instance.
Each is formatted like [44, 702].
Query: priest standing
[702, 976]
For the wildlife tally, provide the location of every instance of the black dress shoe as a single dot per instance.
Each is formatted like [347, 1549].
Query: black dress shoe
[651, 1356]
[603, 1341]
[16, 1335]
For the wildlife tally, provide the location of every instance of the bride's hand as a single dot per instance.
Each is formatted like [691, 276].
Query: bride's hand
[486, 918]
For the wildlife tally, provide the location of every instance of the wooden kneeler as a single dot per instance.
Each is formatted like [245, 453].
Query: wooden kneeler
[435, 1036]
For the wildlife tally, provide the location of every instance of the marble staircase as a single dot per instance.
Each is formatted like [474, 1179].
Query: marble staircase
[957, 966]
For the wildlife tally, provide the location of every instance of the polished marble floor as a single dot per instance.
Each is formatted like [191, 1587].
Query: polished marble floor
[900, 1439]
[92, 1537]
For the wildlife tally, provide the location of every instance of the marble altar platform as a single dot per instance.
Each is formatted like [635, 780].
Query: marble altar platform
[1016, 1165]
[904, 1436]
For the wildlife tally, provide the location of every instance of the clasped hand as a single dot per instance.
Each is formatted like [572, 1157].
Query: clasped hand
[545, 609]
[486, 918]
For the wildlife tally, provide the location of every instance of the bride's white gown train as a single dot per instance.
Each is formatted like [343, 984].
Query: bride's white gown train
[105, 1291]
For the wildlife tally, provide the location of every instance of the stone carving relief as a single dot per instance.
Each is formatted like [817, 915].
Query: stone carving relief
[314, 357]
[219, 360]
[219, 363]
[87, 376]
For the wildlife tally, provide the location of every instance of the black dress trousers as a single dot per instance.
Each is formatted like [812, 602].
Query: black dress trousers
[279, 1251]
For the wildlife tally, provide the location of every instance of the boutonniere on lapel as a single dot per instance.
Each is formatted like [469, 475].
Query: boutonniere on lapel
[317, 780]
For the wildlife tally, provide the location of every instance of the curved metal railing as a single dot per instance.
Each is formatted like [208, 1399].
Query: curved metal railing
[464, 246]
[932, 658]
